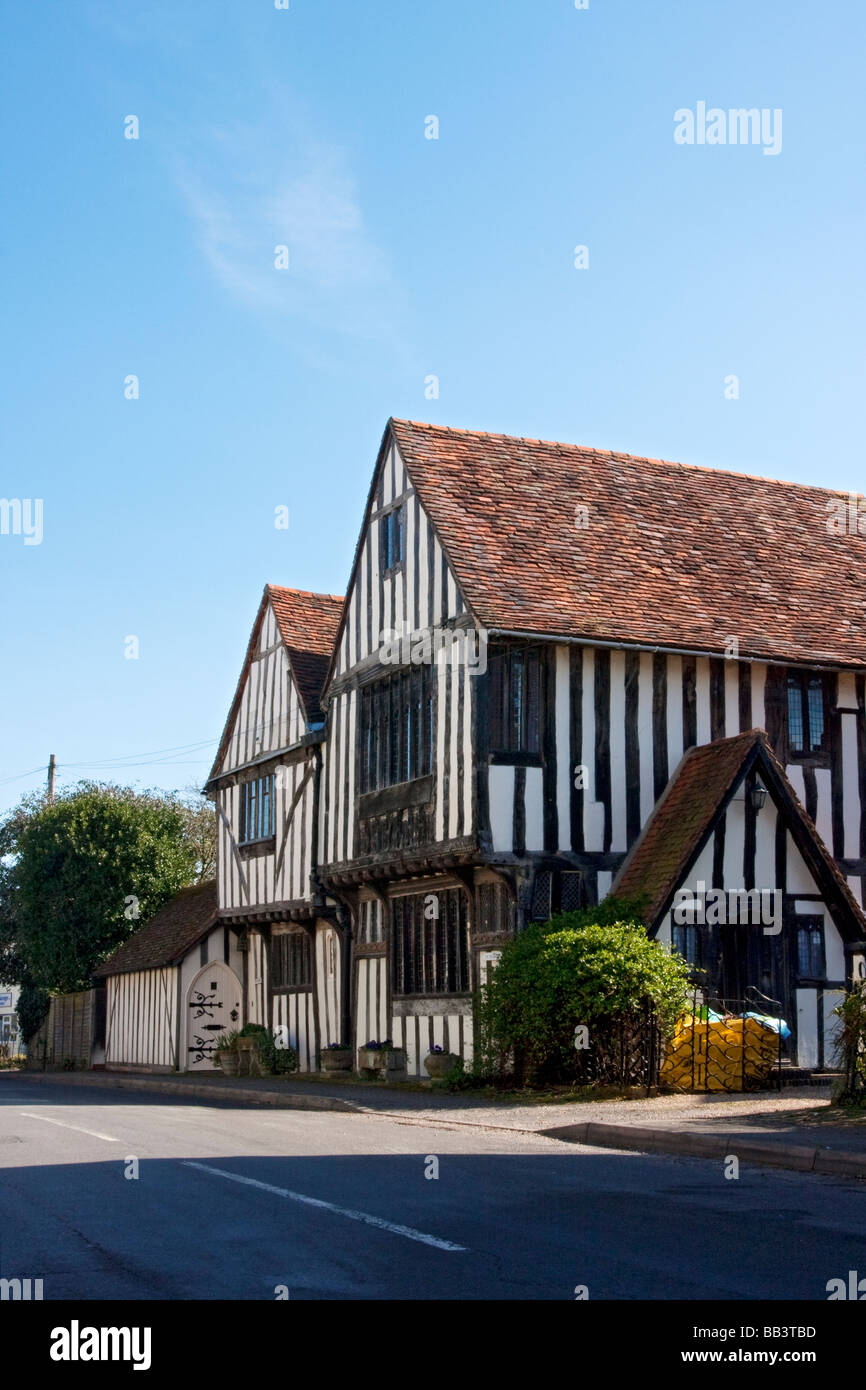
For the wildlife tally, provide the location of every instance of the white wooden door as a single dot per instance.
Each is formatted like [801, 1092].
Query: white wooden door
[213, 1007]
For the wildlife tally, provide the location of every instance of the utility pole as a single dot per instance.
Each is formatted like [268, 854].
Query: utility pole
[52, 768]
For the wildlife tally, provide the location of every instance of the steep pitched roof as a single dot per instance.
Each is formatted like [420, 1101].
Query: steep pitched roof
[308, 628]
[169, 934]
[688, 810]
[672, 555]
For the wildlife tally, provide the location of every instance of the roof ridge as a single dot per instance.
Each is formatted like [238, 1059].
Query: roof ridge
[745, 735]
[621, 455]
[303, 593]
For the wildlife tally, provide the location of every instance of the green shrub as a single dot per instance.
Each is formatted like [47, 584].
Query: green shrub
[458, 1078]
[852, 1045]
[277, 1060]
[596, 967]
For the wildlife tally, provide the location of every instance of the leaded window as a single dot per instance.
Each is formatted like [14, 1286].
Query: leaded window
[495, 909]
[515, 700]
[257, 809]
[555, 891]
[396, 735]
[391, 532]
[806, 714]
[292, 960]
[810, 948]
[429, 942]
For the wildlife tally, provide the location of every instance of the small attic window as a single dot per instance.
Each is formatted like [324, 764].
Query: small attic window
[391, 532]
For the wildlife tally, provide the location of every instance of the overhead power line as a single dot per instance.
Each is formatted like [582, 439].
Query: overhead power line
[157, 756]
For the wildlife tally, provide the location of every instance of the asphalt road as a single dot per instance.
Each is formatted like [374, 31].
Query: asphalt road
[234, 1203]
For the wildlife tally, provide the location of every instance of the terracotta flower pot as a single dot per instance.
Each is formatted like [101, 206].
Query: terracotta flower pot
[440, 1063]
[229, 1062]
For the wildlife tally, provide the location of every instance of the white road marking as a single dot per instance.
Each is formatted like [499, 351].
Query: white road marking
[406, 1231]
[94, 1133]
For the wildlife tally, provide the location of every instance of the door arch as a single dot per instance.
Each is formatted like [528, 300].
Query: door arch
[213, 1007]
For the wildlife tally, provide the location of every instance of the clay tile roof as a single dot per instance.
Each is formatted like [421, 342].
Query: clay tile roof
[672, 554]
[659, 859]
[167, 937]
[308, 626]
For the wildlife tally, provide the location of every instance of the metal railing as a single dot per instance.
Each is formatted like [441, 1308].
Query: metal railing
[726, 1045]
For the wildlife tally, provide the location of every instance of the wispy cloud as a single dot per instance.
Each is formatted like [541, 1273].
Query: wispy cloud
[251, 190]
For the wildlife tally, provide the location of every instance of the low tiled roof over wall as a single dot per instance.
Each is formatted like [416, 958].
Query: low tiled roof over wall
[167, 937]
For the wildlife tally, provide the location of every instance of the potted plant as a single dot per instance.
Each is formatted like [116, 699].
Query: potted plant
[439, 1063]
[335, 1057]
[226, 1053]
[381, 1059]
[261, 1054]
[248, 1047]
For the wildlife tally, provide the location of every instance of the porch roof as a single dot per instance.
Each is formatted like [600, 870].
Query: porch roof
[688, 810]
[170, 933]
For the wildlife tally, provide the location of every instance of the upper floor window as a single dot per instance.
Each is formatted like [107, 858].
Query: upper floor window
[515, 700]
[807, 721]
[257, 809]
[396, 729]
[391, 531]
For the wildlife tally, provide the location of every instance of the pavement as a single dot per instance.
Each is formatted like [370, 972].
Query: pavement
[796, 1128]
[121, 1193]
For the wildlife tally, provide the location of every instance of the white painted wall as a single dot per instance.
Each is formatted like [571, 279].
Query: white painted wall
[141, 1019]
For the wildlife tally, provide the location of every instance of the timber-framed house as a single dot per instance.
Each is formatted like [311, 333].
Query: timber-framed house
[557, 672]
[620, 613]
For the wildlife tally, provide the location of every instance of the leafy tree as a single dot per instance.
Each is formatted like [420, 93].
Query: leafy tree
[79, 874]
[200, 832]
[31, 1009]
[594, 967]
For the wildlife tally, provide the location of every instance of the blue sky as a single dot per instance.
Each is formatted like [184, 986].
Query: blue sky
[408, 257]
